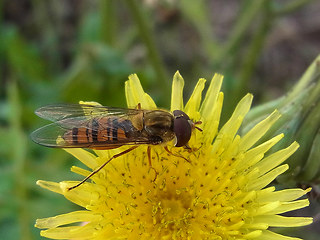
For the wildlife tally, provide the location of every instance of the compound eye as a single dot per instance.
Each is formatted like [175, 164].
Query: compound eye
[182, 128]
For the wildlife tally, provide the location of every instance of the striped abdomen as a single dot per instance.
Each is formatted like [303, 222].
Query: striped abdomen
[105, 132]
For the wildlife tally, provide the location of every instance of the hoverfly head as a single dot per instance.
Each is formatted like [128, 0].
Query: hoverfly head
[183, 127]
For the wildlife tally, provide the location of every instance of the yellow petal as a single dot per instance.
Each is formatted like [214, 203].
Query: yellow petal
[281, 221]
[210, 125]
[258, 131]
[192, 106]
[90, 103]
[63, 219]
[267, 208]
[75, 232]
[177, 92]
[211, 98]
[52, 186]
[254, 155]
[253, 234]
[276, 158]
[228, 131]
[135, 94]
[233, 124]
[84, 156]
[82, 195]
[290, 206]
[259, 183]
[80, 171]
[282, 195]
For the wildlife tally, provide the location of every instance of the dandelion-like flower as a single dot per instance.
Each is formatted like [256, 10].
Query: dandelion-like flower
[221, 192]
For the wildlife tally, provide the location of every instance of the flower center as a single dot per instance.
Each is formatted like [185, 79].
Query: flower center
[173, 214]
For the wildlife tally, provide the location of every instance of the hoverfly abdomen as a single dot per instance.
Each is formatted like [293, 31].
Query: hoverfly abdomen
[94, 130]
[99, 132]
[76, 136]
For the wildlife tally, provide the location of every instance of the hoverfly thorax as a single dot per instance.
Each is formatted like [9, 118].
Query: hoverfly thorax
[159, 123]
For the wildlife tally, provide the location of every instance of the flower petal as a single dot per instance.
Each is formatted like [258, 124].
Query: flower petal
[84, 156]
[227, 133]
[192, 106]
[281, 221]
[210, 125]
[52, 186]
[282, 195]
[276, 158]
[233, 124]
[74, 232]
[63, 219]
[211, 98]
[290, 206]
[177, 92]
[254, 155]
[259, 183]
[135, 94]
[82, 195]
[258, 131]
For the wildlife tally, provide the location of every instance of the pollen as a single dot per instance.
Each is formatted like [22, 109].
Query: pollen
[220, 188]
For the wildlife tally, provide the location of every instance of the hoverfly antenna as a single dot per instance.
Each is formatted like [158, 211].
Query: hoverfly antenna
[197, 123]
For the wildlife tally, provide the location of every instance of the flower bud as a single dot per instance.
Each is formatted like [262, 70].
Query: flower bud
[300, 121]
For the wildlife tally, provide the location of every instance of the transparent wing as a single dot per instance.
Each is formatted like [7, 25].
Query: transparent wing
[50, 136]
[54, 134]
[80, 112]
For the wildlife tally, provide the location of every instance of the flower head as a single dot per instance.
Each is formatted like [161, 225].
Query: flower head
[221, 192]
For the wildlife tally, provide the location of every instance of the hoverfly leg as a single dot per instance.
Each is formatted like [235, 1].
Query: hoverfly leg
[150, 165]
[102, 166]
[149, 155]
[138, 106]
[190, 149]
[187, 147]
[176, 155]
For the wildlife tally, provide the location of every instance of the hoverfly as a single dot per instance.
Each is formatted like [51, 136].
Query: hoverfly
[100, 127]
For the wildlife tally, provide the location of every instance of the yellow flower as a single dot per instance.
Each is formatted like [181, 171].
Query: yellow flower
[223, 191]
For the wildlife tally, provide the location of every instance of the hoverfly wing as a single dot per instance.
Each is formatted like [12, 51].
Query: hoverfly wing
[59, 112]
[54, 135]
[50, 136]
[87, 126]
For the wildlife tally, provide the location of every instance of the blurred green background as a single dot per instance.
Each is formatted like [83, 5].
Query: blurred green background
[71, 50]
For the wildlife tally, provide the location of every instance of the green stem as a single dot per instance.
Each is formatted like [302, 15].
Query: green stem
[1, 12]
[198, 13]
[19, 157]
[254, 51]
[149, 41]
[49, 30]
[237, 89]
[292, 7]
[108, 23]
[249, 11]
